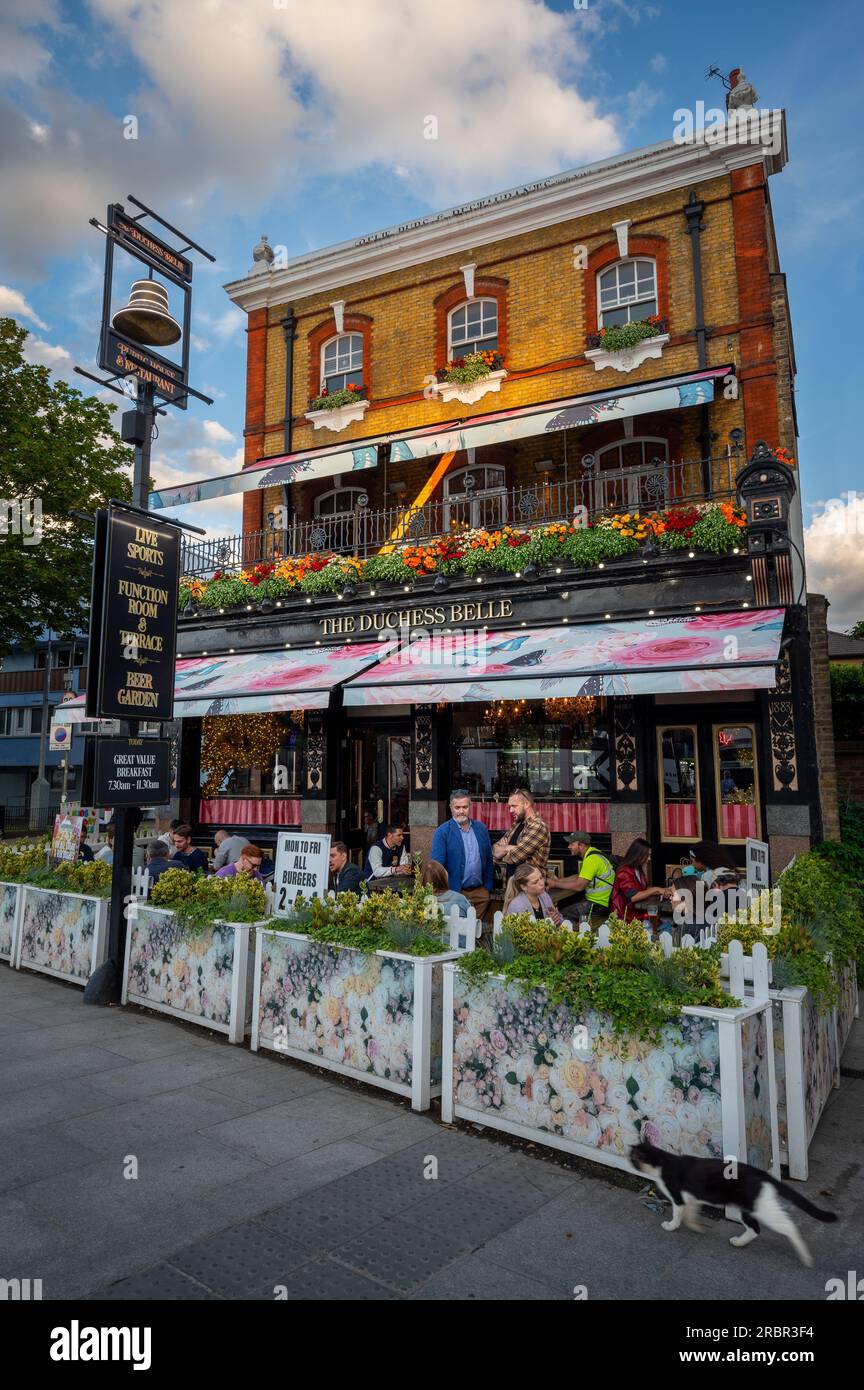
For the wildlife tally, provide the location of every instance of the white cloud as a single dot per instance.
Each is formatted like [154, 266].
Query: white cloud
[39, 133]
[217, 432]
[658, 63]
[834, 547]
[14, 305]
[238, 102]
[51, 355]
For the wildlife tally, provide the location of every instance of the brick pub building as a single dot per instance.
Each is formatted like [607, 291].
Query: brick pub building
[677, 693]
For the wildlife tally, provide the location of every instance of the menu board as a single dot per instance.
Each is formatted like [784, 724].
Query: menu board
[136, 580]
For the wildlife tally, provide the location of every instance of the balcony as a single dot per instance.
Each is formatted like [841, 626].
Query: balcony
[593, 492]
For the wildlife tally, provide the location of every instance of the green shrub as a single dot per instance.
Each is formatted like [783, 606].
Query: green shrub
[847, 700]
[226, 593]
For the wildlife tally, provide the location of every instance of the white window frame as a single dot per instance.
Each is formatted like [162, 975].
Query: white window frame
[458, 498]
[629, 301]
[633, 475]
[351, 371]
[460, 349]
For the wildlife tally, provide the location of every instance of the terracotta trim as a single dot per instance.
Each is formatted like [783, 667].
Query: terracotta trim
[485, 287]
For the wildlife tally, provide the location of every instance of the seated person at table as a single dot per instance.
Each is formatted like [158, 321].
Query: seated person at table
[526, 892]
[594, 877]
[228, 848]
[435, 877]
[186, 856]
[713, 865]
[248, 863]
[345, 877]
[105, 855]
[156, 858]
[632, 893]
[388, 855]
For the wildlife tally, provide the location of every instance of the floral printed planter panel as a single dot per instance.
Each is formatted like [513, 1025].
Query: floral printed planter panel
[819, 1035]
[340, 1006]
[188, 973]
[541, 1067]
[757, 1090]
[8, 919]
[435, 1062]
[62, 933]
[847, 1004]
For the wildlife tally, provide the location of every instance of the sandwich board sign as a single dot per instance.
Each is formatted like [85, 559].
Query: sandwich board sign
[758, 866]
[302, 867]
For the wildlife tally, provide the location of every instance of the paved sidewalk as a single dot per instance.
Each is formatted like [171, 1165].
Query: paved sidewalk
[256, 1172]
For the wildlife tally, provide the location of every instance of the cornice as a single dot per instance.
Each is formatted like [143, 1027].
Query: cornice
[610, 183]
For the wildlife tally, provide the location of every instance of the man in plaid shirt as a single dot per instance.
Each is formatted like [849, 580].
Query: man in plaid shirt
[527, 841]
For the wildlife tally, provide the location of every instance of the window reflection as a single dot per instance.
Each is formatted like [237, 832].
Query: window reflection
[559, 752]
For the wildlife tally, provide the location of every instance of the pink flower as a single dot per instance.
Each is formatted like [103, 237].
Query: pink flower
[498, 1041]
[664, 650]
[650, 1134]
[719, 622]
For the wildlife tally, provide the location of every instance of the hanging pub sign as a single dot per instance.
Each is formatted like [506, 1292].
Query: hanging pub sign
[131, 771]
[302, 866]
[136, 582]
[121, 357]
[140, 241]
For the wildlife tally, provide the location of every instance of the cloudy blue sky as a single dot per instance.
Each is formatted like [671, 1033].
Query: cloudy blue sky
[304, 119]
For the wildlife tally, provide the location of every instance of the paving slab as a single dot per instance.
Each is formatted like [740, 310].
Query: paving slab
[296, 1126]
[400, 1256]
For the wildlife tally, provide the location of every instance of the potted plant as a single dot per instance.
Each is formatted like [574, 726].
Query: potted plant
[354, 985]
[189, 949]
[626, 346]
[467, 379]
[62, 919]
[334, 410]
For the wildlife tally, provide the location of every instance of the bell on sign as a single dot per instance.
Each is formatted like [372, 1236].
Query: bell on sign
[146, 318]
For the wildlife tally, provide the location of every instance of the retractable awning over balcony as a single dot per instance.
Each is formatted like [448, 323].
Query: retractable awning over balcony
[256, 682]
[431, 441]
[702, 652]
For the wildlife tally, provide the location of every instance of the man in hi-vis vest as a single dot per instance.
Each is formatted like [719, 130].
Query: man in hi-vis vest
[594, 877]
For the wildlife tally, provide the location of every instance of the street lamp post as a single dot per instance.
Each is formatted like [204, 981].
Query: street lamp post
[40, 792]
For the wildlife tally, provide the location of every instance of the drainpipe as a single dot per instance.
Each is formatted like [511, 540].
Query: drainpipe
[693, 211]
[289, 325]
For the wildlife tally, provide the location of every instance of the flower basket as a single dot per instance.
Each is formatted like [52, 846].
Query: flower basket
[467, 379]
[60, 934]
[334, 410]
[375, 1016]
[202, 976]
[626, 346]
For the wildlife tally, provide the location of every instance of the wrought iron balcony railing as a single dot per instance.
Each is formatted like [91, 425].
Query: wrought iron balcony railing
[593, 492]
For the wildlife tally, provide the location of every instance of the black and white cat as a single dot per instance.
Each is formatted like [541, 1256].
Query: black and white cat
[751, 1196]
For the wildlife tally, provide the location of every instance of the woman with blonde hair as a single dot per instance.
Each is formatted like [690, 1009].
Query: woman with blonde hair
[526, 892]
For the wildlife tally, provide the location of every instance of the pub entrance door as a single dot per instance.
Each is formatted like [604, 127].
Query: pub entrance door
[708, 783]
[376, 783]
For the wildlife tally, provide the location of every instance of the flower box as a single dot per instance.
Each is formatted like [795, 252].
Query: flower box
[202, 976]
[628, 359]
[61, 934]
[847, 1004]
[516, 1062]
[468, 392]
[339, 418]
[375, 1016]
[10, 920]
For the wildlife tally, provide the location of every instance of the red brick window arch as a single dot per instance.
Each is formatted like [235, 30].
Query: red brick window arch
[621, 288]
[464, 323]
[340, 358]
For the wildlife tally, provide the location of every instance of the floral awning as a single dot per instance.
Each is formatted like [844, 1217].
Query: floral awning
[431, 441]
[701, 652]
[256, 682]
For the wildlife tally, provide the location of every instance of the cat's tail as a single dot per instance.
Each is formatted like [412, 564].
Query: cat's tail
[798, 1200]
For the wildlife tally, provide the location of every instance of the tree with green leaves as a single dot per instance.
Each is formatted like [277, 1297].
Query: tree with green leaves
[59, 454]
[857, 631]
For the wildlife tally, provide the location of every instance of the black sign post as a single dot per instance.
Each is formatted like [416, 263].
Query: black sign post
[136, 582]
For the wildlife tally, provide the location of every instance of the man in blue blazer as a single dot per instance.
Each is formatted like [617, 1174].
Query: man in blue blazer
[463, 846]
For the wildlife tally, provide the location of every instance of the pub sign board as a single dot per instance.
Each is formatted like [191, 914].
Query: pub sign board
[122, 357]
[136, 582]
[132, 771]
[140, 242]
[302, 866]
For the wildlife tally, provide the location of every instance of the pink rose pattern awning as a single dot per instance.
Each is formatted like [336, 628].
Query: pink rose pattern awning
[702, 652]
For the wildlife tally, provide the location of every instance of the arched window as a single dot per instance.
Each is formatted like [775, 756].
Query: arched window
[632, 473]
[473, 327]
[626, 291]
[338, 524]
[342, 362]
[476, 496]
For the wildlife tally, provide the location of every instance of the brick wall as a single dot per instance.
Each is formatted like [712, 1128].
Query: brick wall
[849, 760]
[817, 611]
